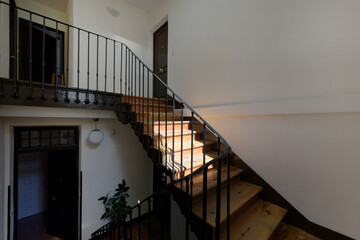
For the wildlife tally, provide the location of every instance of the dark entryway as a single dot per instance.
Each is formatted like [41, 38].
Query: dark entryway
[161, 60]
[46, 183]
[47, 44]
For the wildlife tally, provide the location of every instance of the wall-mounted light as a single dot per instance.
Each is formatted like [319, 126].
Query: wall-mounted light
[96, 135]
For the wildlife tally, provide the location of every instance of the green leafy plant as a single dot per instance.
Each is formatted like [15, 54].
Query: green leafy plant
[116, 206]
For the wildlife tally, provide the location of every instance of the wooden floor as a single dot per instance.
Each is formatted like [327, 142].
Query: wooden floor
[33, 228]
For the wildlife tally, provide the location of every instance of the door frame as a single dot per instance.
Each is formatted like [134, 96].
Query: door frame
[161, 28]
[16, 141]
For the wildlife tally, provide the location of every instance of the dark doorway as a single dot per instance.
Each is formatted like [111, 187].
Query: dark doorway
[161, 60]
[46, 183]
[53, 48]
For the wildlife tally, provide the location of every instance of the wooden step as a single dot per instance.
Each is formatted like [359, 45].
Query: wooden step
[148, 107]
[242, 195]
[211, 180]
[257, 223]
[156, 116]
[150, 100]
[185, 168]
[168, 136]
[186, 150]
[169, 125]
[288, 232]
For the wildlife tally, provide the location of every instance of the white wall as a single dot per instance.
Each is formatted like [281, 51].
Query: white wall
[241, 62]
[119, 156]
[41, 9]
[130, 27]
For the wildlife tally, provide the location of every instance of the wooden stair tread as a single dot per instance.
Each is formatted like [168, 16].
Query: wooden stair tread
[145, 98]
[198, 161]
[212, 179]
[186, 145]
[288, 232]
[241, 193]
[257, 223]
[168, 122]
[175, 133]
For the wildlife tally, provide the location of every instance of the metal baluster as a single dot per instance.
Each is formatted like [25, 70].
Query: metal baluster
[143, 83]
[140, 90]
[192, 155]
[56, 99]
[66, 99]
[218, 194]
[136, 113]
[112, 230]
[118, 227]
[88, 71]
[161, 216]
[173, 139]
[204, 148]
[124, 231]
[121, 67]
[43, 64]
[159, 142]
[114, 73]
[15, 57]
[130, 224]
[188, 210]
[96, 100]
[132, 75]
[77, 100]
[181, 157]
[166, 135]
[148, 95]
[149, 212]
[139, 227]
[153, 124]
[126, 72]
[106, 52]
[204, 202]
[228, 197]
[30, 97]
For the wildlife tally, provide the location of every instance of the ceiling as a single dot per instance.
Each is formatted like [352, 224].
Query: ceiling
[146, 5]
[60, 5]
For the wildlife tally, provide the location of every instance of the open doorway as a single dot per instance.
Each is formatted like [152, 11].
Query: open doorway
[46, 183]
[47, 47]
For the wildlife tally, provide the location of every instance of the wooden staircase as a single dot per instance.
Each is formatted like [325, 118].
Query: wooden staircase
[179, 141]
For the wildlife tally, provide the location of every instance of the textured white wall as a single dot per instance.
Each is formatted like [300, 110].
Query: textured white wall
[130, 28]
[119, 156]
[266, 74]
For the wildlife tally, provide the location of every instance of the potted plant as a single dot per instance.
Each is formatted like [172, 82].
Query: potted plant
[116, 206]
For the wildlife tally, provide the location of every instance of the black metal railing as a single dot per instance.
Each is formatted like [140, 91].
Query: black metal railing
[160, 119]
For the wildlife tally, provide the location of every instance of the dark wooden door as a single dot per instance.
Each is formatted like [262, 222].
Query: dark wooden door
[62, 194]
[161, 60]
